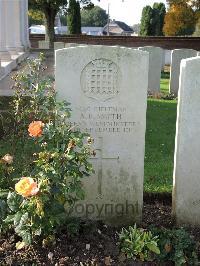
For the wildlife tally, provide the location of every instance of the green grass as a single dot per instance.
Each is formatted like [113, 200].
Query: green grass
[159, 145]
[164, 83]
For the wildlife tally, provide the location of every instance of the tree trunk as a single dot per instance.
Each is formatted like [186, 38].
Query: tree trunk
[50, 20]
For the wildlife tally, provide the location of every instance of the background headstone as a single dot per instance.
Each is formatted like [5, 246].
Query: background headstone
[167, 54]
[59, 45]
[186, 191]
[2, 71]
[43, 45]
[176, 57]
[68, 45]
[107, 89]
[155, 66]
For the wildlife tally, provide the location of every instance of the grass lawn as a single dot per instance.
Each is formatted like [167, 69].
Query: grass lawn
[160, 135]
[164, 82]
[159, 145]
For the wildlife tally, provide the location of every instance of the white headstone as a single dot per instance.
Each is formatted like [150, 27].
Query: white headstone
[198, 54]
[186, 192]
[107, 89]
[155, 66]
[43, 45]
[176, 57]
[2, 71]
[59, 45]
[163, 61]
[67, 45]
[168, 57]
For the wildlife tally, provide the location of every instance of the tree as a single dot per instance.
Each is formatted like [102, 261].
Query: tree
[35, 17]
[78, 18]
[195, 4]
[74, 17]
[179, 20]
[152, 20]
[50, 8]
[63, 20]
[95, 17]
[146, 21]
[159, 12]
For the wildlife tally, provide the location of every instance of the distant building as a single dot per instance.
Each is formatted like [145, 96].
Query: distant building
[37, 29]
[40, 29]
[95, 31]
[118, 28]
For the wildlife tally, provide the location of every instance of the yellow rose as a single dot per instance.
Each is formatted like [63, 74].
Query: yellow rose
[27, 187]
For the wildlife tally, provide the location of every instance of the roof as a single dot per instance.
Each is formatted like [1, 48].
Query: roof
[118, 28]
[123, 26]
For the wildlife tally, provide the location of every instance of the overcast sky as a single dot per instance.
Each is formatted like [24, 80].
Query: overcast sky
[128, 11]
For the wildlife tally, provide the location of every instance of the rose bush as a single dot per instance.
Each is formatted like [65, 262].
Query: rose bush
[42, 198]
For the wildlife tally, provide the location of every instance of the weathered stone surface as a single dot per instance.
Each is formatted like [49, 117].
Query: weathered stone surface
[176, 57]
[155, 66]
[67, 45]
[43, 45]
[107, 89]
[186, 196]
[167, 57]
[2, 71]
[59, 45]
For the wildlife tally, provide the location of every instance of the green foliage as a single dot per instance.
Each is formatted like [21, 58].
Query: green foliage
[63, 20]
[177, 246]
[78, 18]
[139, 244]
[74, 17]
[146, 21]
[159, 12]
[95, 17]
[152, 20]
[35, 17]
[180, 20]
[59, 159]
[49, 9]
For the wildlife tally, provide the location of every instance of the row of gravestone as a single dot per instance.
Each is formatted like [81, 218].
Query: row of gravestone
[156, 63]
[107, 88]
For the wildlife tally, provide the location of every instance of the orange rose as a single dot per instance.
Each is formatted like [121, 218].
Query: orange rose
[35, 129]
[27, 187]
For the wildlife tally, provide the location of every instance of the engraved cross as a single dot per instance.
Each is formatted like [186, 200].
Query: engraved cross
[100, 159]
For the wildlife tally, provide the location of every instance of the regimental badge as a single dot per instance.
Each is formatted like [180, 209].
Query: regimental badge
[100, 79]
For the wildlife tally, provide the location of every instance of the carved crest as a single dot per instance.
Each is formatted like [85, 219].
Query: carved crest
[100, 79]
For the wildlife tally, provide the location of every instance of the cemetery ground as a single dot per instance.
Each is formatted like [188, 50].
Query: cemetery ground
[89, 243]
